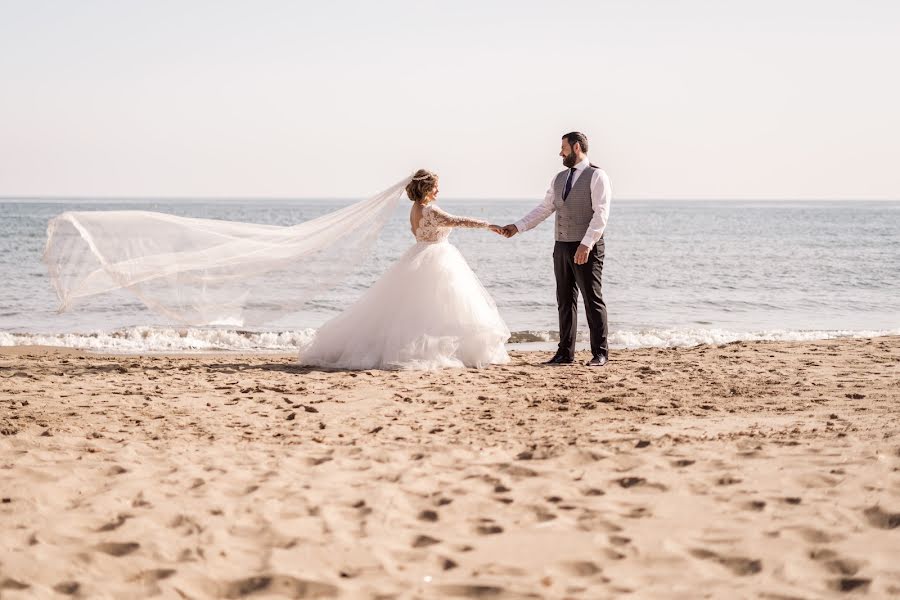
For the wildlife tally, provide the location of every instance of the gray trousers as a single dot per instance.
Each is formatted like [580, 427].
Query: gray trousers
[570, 278]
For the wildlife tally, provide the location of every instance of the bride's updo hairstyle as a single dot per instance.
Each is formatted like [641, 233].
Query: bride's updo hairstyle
[421, 185]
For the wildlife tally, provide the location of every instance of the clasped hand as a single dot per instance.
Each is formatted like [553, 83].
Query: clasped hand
[506, 231]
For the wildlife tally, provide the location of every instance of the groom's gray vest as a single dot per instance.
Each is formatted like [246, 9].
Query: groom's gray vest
[574, 214]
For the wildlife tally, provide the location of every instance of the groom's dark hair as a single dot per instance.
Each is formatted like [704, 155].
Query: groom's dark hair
[577, 136]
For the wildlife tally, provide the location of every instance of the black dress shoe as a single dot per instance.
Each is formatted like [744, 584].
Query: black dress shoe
[560, 359]
[597, 361]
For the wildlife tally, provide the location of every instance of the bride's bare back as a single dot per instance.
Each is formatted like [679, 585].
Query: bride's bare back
[415, 216]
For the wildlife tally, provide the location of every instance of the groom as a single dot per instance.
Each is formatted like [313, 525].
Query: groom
[580, 197]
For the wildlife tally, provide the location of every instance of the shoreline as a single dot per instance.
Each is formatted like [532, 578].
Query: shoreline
[289, 342]
[749, 469]
[582, 348]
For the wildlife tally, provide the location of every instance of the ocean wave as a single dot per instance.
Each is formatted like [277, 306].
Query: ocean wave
[160, 339]
[194, 339]
[673, 338]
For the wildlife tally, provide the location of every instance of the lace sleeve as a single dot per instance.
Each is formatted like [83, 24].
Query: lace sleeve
[444, 219]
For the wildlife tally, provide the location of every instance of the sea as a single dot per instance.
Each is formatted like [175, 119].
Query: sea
[677, 273]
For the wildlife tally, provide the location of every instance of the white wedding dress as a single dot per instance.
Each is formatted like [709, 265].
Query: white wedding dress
[428, 311]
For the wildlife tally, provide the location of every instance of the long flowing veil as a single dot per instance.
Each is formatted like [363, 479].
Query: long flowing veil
[206, 271]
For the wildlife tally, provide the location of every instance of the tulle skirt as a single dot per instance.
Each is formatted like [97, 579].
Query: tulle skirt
[428, 311]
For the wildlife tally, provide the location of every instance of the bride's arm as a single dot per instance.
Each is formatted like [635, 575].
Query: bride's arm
[445, 219]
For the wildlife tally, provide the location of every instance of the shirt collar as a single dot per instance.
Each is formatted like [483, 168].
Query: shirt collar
[585, 163]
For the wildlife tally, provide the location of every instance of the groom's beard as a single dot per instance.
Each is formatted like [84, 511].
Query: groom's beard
[569, 161]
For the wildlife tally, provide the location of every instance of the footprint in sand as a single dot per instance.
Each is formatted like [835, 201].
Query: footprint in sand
[140, 502]
[12, 584]
[428, 515]
[850, 584]
[150, 580]
[813, 535]
[882, 519]
[736, 564]
[69, 588]
[542, 514]
[728, 480]
[580, 568]
[834, 563]
[638, 512]
[488, 529]
[153, 575]
[639, 482]
[517, 471]
[186, 524]
[423, 541]
[589, 520]
[117, 548]
[448, 564]
[115, 524]
[281, 585]
[612, 554]
[475, 591]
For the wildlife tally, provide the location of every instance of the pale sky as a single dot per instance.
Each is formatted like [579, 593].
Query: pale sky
[688, 99]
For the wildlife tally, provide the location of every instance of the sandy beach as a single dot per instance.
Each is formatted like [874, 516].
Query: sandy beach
[749, 470]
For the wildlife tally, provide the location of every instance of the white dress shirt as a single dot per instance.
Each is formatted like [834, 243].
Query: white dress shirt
[600, 195]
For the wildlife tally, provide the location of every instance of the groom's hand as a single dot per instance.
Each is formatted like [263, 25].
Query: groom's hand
[581, 255]
[510, 230]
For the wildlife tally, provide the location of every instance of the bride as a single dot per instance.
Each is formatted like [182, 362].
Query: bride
[427, 311]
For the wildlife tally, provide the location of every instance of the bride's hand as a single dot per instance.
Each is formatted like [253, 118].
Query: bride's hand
[496, 229]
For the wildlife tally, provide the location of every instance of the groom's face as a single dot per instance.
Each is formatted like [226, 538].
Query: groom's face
[568, 154]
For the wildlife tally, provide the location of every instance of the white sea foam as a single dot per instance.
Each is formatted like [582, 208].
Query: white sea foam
[175, 340]
[669, 338]
[192, 340]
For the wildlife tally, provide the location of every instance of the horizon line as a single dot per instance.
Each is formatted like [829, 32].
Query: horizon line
[501, 199]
